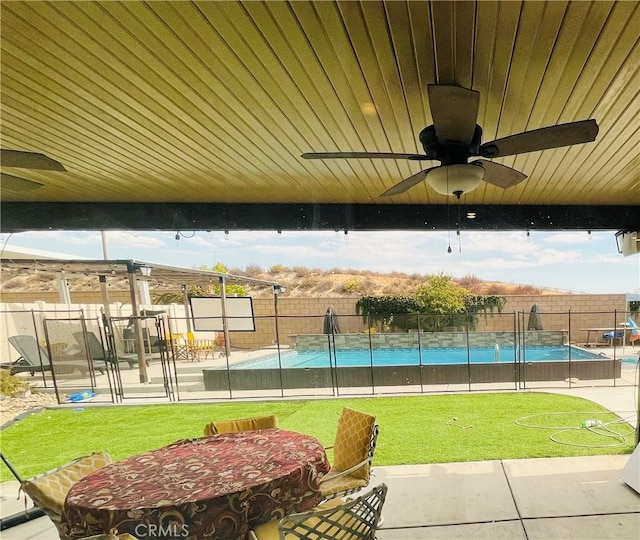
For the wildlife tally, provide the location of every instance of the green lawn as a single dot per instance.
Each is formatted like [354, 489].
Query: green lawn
[415, 429]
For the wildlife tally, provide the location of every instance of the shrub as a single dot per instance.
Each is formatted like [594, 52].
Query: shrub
[351, 286]
[11, 385]
[278, 269]
[253, 270]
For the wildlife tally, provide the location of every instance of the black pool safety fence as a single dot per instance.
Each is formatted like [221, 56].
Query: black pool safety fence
[113, 359]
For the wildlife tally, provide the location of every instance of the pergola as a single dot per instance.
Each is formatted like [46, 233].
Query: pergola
[134, 271]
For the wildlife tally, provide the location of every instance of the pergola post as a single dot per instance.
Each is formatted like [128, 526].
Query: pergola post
[185, 301]
[142, 364]
[63, 289]
[223, 306]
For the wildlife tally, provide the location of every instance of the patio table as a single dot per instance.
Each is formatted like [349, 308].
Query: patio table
[207, 488]
[602, 330]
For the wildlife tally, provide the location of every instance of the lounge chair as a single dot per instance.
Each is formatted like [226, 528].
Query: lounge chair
[29, 360]
[49, 490]
[353, 449]
[356, 519]
[31, 355]
[99, 354]
[245, 424]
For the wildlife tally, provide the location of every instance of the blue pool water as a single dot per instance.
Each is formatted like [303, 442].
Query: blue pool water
[410, 357]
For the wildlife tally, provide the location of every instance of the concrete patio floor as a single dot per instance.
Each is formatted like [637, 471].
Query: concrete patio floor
[534, 499]
[530, 499]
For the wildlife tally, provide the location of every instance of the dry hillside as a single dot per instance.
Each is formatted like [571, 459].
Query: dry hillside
[299, 281]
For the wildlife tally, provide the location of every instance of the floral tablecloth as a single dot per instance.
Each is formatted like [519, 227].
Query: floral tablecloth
[207, 488]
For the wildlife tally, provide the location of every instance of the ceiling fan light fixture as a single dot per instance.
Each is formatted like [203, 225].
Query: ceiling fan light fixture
[450, 179]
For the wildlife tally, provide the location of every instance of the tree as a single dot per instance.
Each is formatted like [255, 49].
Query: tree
[231, 289]
[441, 303]
[212, 289]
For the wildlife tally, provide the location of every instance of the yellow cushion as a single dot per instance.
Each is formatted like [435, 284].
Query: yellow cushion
[50, 489]
[269, 530]
[246, 424]
[352, 441]
[113, 535]
[343, 484]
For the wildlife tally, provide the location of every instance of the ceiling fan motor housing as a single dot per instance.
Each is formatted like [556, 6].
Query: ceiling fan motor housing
[453, 152]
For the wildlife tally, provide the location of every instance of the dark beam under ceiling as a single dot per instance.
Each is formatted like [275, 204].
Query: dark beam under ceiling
[23, 216]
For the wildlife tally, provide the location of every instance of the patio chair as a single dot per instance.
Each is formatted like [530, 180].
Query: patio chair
[355, 519]
[611, 335]
[49, 490]
[197, 346]
[635, 331]
[245, 424]
[353, 450]
[113, 535]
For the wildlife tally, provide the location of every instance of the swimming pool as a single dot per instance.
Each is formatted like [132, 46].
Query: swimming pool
[414, 357]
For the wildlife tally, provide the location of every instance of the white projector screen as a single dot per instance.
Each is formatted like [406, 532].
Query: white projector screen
[207, 314]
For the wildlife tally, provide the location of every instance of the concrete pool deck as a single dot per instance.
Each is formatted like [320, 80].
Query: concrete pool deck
[189, 384]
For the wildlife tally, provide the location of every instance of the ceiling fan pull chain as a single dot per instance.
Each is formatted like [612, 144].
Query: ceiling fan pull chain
[448, 223]
[458, 228]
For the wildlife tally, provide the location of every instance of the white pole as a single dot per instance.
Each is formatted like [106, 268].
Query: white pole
[105, 250]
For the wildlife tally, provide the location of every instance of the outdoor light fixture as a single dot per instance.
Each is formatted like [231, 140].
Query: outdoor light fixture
[278, 289]
[455, 179]
[181, 234]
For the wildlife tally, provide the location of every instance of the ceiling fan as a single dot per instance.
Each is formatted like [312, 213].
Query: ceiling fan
[25, 160]
[454, 137]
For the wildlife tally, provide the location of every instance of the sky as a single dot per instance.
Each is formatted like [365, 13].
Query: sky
[571, 261]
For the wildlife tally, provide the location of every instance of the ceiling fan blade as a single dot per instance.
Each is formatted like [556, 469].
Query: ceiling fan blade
[580, 132]
[14, 183]
[500, 175]
[364, 155]
[454, 111]
[407, 183]
[29, 160]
